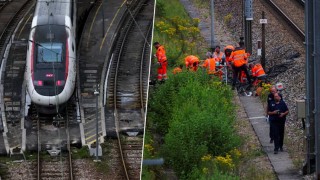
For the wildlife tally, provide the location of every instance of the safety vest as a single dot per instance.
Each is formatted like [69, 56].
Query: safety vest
[218, 56]
[189, 60]
[257, 71]
[239, 57]
[210, 64]
[161, 54]
[177, 70]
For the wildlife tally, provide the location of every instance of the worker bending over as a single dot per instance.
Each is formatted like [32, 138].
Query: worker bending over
[239, 59]
[192, 62]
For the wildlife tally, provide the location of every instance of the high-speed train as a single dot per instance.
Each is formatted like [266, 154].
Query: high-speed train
[51, 57]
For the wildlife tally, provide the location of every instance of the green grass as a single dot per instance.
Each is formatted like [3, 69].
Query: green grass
[80, 153]
[177, 32]
[171, 8]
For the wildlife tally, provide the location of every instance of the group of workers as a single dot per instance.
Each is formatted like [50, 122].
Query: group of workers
[235, 59]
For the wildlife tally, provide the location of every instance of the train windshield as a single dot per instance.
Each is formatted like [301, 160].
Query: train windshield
[49, 52]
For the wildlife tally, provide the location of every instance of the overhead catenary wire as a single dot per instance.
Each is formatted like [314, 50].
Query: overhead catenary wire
[141, 33]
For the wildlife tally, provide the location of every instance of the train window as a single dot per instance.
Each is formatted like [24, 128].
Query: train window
[72, 47]
[49, 52]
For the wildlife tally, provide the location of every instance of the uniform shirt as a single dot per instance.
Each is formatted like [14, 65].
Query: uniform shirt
[282, 107]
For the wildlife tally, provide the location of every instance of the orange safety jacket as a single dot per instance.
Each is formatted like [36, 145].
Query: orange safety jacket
[161, 54]
[239, 57]
[257, 71]
[218, 56]
[189, 60]
[177, 70]
[210, 64]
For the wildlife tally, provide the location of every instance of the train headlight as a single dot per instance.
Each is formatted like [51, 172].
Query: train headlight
[38, 83]
[60, 82]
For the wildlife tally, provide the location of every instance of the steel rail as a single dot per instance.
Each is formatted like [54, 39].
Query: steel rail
[125, 169]
[298, 31]
[69, 147]
[115, 102]
[141, 71]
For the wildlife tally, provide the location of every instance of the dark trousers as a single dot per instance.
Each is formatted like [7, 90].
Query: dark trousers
[278, 133]
[237, 70]
[271, 132]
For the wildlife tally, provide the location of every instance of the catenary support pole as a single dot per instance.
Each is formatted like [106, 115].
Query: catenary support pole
[263, 41]
[96, 93]
[309, 76]
[316, 53]
[212, 25]
[248, 24]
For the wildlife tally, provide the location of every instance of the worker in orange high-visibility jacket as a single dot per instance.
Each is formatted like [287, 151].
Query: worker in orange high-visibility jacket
[239, 63]
[258, 73]
[162, 61]
[177, 69]
[257, 70]
[218, 55]
[227, 51]
[209, 64]
[192, 62]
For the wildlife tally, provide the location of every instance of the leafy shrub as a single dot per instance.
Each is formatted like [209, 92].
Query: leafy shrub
[196, 114]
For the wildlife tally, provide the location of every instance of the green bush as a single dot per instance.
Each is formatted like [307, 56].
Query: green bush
[196, 115]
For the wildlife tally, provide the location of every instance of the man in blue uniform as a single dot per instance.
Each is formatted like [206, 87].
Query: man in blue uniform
[273, 90]
[277, 112]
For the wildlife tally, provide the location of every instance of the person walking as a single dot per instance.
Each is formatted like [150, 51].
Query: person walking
[273, 90]
[162, 62]
[239, 59]
[278, 111]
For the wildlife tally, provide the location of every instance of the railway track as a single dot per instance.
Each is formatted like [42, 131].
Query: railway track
[298, 28]
[13, 51]
[59, 164]
[127, 88]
